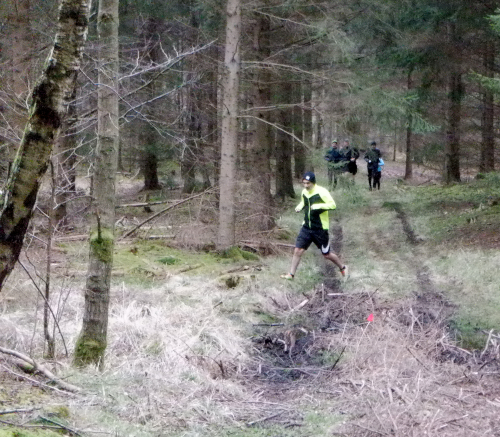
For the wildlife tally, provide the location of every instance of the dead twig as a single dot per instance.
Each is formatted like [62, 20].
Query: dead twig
[61, 426]
[189, 268]
[24, 410]
[141, 204]
[127, 234]
[47, 373]
[369, 429]
[48, 305]
[487, 343]
[33, 381]
[268, 324]
[264, 419]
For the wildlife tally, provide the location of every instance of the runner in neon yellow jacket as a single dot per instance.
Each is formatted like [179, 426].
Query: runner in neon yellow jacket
[316, 201]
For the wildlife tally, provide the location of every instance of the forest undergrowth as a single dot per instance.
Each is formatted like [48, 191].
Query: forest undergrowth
[199, 345]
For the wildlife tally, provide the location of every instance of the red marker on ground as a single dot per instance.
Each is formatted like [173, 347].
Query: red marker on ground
[370, 318]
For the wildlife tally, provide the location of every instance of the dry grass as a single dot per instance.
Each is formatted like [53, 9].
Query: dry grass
[396, 383]
[186, 359]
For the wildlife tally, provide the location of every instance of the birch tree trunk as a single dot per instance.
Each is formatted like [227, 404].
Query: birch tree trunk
[46, 113]
[92, 340]
[229, 146]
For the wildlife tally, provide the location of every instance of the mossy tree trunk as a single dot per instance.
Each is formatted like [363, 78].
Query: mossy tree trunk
[45, 118]
[92, 340]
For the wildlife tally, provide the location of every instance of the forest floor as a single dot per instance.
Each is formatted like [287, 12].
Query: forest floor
[407, 345]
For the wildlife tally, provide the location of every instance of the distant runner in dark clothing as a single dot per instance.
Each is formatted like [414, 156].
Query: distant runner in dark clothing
[351, 154]
[371, 157]
[333, 157]
[315, 201]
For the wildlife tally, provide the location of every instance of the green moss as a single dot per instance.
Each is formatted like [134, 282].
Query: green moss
[249, 256]
[102, 245]
[61, 411]
[19, 432]
[234, 253]
[168, 260]
[88, 351]
[230, 281]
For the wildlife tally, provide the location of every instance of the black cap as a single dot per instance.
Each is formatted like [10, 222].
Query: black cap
[373, 143]
[309, 176]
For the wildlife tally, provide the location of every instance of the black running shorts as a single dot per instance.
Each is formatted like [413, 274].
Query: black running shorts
[319, 237]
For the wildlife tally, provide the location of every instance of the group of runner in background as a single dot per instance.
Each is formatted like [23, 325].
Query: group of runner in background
[343, 160]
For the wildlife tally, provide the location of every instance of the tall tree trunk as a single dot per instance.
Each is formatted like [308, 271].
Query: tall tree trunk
[487, 161]
[149, 161]
[452, 148]
[315, 118]
[455, 94]
[92, 341]
[20, 47]
[257, 166]
[149, 148]
[192, 154]
[65, 162]
[284, 176]
[19, 51]
[308, 125]
[229, 147]
[299, 150]
[47, 110]
[409, 148]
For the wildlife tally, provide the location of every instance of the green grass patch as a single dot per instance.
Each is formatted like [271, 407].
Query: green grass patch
[23, 432]
[315, 423]
[469, 279]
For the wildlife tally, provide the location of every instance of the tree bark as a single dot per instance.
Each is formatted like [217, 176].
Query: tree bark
[452, 150]
[257, 166]
[455, 90]
[409, 148]
[65, 162]
[487, 161]
[149, 138]
[299, 151]
[92, 341]
[229, 146]
[284, 176]
[19, 51]
[47, 111]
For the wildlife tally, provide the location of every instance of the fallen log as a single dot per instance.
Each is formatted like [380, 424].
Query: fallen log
[39, 368]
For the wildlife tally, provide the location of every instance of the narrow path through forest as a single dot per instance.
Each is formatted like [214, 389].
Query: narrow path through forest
[289, 382]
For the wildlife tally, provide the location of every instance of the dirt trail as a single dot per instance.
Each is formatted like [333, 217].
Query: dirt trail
[403, 376]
